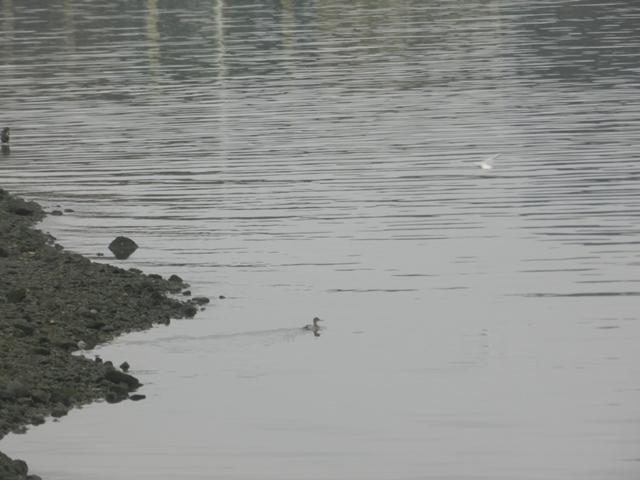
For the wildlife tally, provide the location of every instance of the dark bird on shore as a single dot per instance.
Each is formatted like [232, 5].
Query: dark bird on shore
[4, 136]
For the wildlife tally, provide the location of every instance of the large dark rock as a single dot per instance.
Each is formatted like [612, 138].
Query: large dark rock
[114, 376]
[13, 469]
[20, 467]
[123, 247]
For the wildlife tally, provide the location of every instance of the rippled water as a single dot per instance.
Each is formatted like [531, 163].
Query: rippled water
[309, 158]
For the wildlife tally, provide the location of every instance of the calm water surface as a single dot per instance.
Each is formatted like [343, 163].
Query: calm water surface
[309, 158]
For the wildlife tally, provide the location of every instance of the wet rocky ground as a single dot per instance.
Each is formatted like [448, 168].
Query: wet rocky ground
[53, 303]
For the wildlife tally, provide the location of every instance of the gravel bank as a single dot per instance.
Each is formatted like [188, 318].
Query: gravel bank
[50, 300]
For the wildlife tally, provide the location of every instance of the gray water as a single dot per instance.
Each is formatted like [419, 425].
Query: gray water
[310, 158]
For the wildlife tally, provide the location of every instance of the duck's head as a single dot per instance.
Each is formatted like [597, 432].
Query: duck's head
[316, 320]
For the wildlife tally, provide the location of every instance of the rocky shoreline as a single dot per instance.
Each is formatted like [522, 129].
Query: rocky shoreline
[53, 302]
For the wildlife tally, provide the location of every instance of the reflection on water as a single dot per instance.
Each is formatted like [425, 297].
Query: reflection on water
[320, 158]
[262, 337]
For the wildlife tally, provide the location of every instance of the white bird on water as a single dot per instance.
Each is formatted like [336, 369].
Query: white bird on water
[487, 163]
[314, 327]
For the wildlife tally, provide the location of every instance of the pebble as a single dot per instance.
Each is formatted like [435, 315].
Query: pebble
[200, 300]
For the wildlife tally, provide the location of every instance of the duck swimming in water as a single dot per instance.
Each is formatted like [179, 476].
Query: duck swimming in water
[314, 327]
[4, 135]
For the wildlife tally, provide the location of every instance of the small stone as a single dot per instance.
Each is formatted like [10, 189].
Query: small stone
[157, 298]
[82, 344]
[25, 212]
[186, 293]
[66, 344]
[24, 328]
[175, 279]
[123, 247]
[124, 366]
[200, 300]
[69, 210]
[16, 295]
[189, 311]
[40, 396]
[137, 396]
[37, 420]
[14, 390]
[44, 351]
[112, 397]
[57, 213]
[59, 411]
[221, 297]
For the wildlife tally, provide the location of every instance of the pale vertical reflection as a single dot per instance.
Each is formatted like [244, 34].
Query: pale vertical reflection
[153, 38]
[218, 15]
[221, 68]
[494, 41]
[69, 25]
[7, 31]
[287, 24]
[491, 41]
[332, 18]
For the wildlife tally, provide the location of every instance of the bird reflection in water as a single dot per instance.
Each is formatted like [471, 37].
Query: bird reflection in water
[4, 140]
